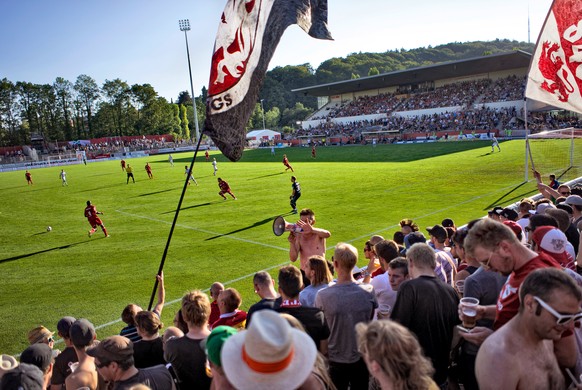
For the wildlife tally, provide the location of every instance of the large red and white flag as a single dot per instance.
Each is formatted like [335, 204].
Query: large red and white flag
[248, 34]
[555, 75]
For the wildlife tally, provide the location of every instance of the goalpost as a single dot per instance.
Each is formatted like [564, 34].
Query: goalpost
[557, 152]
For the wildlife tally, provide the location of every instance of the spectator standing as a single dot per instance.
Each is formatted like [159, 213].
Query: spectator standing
[309, 242]
[270, 355]
[265, 288]
[549, 305]
[318, 273]
[128, 317]
[312, 319]
[495, 246]
[186, 355]
[149, 351]
[41, 356]
[85, 375]
[229, 302]
[215, 289]
[428, 308]
[344, 305]
[394, 356]
[114, 362]
[68, 356]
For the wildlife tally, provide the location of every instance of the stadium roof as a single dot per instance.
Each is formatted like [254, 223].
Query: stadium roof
[478, 65]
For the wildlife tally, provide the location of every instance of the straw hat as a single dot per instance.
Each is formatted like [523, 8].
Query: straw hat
[270, 355]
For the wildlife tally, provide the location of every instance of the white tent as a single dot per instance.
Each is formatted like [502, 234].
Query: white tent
[263, 135]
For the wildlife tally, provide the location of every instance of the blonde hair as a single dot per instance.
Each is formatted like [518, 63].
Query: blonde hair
[346, 256]
[397, 352]
[196, 308]
[488, 234]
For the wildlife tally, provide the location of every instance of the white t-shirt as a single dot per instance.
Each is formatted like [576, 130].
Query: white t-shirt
[385, 296]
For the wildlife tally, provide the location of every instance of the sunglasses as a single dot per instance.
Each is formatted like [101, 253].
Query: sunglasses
[50, 340]
[101, 365]
[561, 319]
[485, 263]
[565, 193]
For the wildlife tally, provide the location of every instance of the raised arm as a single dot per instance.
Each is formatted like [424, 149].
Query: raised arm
[161, 294]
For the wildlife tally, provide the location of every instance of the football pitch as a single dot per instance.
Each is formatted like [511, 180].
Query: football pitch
[355, 191]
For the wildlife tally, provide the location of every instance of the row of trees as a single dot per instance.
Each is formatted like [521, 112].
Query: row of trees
[65, 111]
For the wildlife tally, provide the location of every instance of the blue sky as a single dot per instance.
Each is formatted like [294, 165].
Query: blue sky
[140, 41]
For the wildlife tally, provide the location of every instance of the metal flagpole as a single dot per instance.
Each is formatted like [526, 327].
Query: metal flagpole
[162, 262]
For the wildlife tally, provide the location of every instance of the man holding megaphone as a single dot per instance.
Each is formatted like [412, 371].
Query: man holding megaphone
[306, 241]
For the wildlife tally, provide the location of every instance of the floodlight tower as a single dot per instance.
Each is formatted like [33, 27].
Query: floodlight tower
[185, 26]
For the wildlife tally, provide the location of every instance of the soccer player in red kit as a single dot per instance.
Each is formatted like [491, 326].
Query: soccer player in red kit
[123, 165]
[28, 176]
[313, 151]
[286, 163]
[224, 189]
[91, 215]
[207, 155]
[148, 169]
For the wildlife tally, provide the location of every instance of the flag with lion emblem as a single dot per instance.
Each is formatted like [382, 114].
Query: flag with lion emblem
[555, 75]
[248, 34]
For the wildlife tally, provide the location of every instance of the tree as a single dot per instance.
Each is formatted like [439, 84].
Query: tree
[373, 71]
[117, 94]
[88, 93]
[184, 129]
[63, 89]
[8, 113]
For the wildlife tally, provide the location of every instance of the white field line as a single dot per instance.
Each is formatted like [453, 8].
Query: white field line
[278, 247]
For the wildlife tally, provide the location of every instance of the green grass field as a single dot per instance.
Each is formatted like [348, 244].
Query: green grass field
[355, 191]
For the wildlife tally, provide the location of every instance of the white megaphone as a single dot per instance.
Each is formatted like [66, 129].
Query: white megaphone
[280, 226]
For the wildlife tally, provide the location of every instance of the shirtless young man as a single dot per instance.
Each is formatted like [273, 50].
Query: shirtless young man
[310, 242]
[520, 355]
[84, 375]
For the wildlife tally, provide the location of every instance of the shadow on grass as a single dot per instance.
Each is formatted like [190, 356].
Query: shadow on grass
[43, 251]
[158, 192]
[101, 188]
[258, 223]
[191, 207]
[272, 174]
[511, 197]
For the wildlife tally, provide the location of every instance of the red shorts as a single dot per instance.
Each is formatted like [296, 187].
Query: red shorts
[95, 221]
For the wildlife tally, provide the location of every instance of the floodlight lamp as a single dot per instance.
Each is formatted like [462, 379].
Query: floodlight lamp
[184, 24]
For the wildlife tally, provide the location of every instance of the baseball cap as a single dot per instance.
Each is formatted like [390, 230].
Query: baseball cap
[508, 213]
[438, 231]
[552, 241]
[114, 349]
[541, 208]
[24, 376]
[447, 222]
[213, 343]
[82, 333]
[495, 210]
[64, 325]
[39, 334]
[40, 355]
[566, 207]
[515, 227]
[575, 200]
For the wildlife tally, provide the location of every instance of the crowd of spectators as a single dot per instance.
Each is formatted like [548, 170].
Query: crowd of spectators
[391, 324]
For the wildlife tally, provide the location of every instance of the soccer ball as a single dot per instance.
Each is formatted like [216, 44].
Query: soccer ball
[48, 228]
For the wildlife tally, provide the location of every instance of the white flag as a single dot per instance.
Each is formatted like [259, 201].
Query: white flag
[248, 33]
[555, 75]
